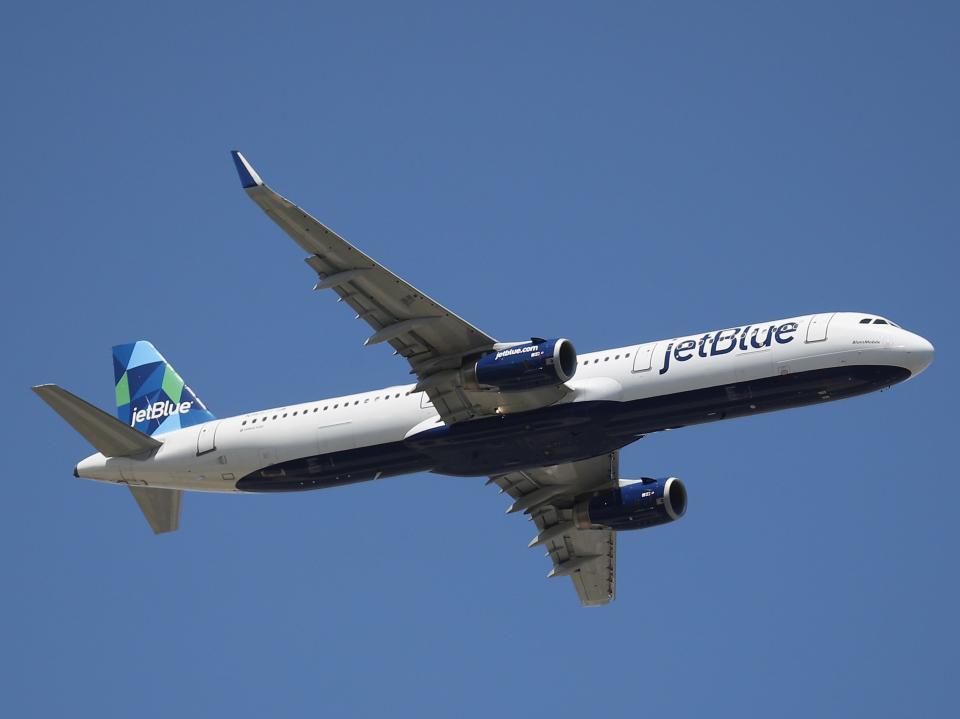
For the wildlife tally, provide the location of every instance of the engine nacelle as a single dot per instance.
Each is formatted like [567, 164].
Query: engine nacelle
[526, 365]
[634, 505]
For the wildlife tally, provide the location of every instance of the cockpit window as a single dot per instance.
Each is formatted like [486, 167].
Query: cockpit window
[879, 322]
[865, 321]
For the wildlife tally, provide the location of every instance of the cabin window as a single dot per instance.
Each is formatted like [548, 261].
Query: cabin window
[244, 422]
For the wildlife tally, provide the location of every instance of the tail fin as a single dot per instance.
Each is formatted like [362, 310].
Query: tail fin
[151, 396]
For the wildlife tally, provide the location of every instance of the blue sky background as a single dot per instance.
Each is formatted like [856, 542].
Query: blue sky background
[610, 173]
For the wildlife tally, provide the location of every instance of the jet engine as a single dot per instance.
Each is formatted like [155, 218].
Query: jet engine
[635, 504]
[525, 365]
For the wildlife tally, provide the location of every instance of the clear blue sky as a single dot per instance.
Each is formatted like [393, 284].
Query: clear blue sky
[609, 173]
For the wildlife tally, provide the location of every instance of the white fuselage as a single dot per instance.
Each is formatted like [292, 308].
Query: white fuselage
[214, 456]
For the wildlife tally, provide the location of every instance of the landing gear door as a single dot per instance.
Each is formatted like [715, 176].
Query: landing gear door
[817, 329]
[643, 357]
[207, 439]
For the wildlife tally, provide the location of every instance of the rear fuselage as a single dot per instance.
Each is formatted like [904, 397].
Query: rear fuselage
[617, 396]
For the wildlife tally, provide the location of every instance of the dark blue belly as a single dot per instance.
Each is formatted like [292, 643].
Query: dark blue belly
[565, 433]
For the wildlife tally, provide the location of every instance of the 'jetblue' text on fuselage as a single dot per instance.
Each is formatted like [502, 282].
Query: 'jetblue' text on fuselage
[726, 341]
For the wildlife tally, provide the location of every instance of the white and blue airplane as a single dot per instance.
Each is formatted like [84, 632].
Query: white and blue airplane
[543, 422]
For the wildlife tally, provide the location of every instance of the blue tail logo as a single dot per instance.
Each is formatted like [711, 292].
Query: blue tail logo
[151, 396]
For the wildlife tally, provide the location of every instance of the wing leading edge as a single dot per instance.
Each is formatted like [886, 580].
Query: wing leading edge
[433, 339]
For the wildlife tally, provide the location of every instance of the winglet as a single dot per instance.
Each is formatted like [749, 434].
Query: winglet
[248, 176]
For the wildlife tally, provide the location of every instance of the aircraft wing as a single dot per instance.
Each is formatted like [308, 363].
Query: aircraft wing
[587, 556]
[433, 339]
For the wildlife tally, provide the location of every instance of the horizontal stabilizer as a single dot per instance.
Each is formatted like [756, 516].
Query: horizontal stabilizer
[161, 507]
[107, 434]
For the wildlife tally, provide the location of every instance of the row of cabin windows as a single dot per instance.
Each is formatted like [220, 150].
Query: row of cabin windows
[325, 408]
[606, 359]
[386, 397]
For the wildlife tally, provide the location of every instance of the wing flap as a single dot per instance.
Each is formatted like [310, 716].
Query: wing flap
[596, 584]
[589, 558]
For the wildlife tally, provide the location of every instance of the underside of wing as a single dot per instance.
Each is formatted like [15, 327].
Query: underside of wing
[588, 555]
[435, 341]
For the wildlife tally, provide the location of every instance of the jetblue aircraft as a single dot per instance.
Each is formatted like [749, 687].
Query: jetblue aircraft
[543, 422]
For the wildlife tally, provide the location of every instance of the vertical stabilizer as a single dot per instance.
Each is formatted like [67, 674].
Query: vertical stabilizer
[161, 507]
[151, 396]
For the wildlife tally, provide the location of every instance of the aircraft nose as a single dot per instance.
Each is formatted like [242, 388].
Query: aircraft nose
[918, 353]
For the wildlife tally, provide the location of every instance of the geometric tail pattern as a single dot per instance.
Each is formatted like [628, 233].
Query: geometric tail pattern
[151, 396]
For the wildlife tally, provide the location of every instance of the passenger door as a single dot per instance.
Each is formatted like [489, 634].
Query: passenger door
[643, 357]
[817, 329]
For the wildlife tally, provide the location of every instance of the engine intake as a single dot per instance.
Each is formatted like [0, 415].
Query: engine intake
[635, 504]
[538, 363]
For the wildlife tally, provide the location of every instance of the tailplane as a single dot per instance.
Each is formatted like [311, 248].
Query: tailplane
[112, 438]
[151, 396]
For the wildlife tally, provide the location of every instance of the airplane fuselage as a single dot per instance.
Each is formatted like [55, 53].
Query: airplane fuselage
[618, 395]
